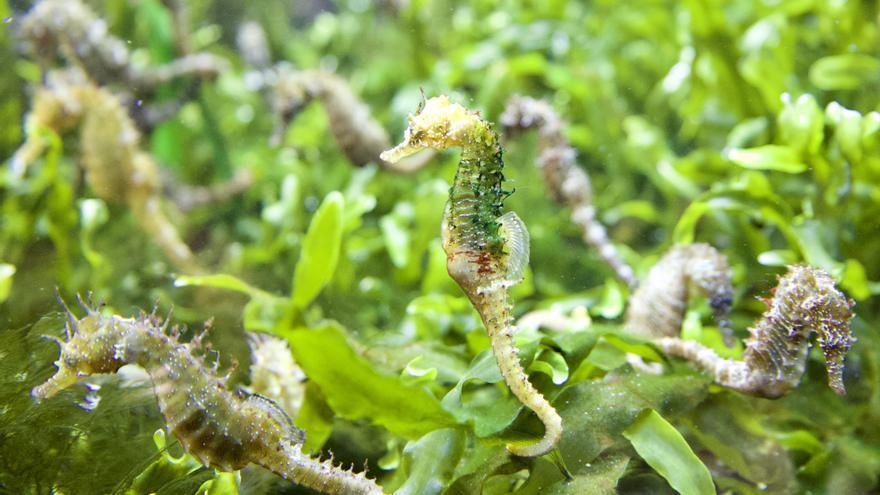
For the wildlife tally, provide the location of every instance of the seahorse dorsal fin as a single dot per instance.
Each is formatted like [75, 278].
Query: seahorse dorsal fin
[516, 246]
[271, 407]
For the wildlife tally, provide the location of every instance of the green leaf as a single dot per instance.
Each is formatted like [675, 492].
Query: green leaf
[848, 130]
[355, 390]
[320, 251]
[158, 26]
[552, 364]
[601, 479]
[848, 71]
[222, 484]
[222, 281]
[315, 418]
[611, 305]
[767, 157]
[414, 374]
[396, 234]
[801, 123]
[595, 412]
[431, 461]
[7, 271]
[489, 409]
[165, 469]
[854, 280]
[665, 450]
[721, 427]
[778, 257]
[480, 461]
[606, 356]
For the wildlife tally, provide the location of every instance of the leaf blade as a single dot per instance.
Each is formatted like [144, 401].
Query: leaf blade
[666, 450]
[320, 252]
[356, 390]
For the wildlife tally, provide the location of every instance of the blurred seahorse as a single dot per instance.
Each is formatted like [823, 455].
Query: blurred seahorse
[222, 429]
[486, 251]
[117, 170]
[274, 373]
[360, 136]
[68, 31]
[71, 30]
[567, 181]
[804, 302]
[657, 308]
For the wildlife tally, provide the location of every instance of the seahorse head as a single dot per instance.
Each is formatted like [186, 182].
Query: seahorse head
[825, 310]
[90, 349]
[441, 124]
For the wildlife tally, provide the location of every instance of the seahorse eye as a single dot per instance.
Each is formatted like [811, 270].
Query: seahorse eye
[70, 361]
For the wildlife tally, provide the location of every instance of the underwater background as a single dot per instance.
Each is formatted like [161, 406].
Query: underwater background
[691, 278]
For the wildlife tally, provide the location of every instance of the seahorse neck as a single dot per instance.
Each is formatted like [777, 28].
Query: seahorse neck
[140, 342]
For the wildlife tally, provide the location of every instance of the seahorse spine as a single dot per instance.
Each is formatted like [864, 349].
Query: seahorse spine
[486, 251]
[222, 429]
[805, 302]
[567, 181]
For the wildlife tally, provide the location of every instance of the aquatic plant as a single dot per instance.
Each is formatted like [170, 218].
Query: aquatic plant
[223, 429]
[567, 181]
[657, 308]
[117, 170]
[804, 302]
[486, 252]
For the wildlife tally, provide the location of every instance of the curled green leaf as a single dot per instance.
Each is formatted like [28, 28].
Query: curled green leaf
[665, 450]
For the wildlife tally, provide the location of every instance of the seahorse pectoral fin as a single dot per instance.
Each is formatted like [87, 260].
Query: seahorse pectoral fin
[516, 246]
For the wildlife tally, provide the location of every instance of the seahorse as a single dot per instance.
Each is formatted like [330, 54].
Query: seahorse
[71, 30]
[567, 181]
[117, 170]
[357, 133]
[656, 309]
[360, 137]
[223, 429]
[486, 251]
[274, 373]
[804, 302]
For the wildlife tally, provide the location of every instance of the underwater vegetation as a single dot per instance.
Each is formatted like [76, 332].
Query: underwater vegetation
[439, 247]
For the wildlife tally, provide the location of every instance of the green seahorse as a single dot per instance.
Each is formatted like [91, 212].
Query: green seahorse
[221, 428]
[486, 250]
